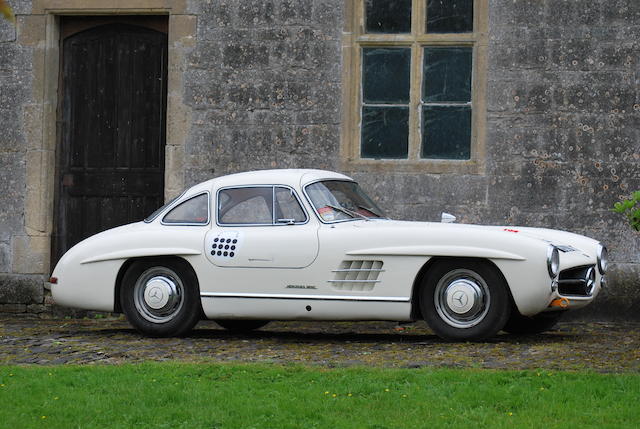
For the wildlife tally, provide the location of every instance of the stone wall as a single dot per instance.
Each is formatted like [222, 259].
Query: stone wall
[264, 85]
[564, 135]
[262, 80]
[19, 292]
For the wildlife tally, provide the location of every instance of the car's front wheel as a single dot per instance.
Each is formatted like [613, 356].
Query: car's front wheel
[160, 297]
[464, 299]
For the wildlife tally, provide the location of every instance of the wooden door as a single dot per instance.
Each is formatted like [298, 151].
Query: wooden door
[112, 130]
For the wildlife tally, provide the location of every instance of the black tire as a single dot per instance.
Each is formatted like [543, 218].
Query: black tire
[464, 299]
[523, 325]
[241, 325]
[161, 297]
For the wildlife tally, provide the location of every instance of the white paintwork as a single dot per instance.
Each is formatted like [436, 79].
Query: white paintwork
[277, 271]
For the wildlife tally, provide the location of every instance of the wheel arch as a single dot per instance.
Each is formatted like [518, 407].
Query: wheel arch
[129, 262]
[416, 312]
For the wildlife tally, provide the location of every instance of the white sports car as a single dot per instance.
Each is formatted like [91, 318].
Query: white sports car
[268, 245]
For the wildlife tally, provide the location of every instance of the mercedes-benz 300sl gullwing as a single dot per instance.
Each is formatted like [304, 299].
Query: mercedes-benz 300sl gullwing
[252, 247]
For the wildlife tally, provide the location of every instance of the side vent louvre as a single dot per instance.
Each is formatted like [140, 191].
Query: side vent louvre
[357, 275]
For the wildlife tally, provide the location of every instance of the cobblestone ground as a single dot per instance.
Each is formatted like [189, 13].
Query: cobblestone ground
[597, 346]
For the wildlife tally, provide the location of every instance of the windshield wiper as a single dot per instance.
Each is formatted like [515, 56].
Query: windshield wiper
[348, 212]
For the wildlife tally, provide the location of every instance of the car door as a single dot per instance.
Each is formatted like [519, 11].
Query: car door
[262, 226]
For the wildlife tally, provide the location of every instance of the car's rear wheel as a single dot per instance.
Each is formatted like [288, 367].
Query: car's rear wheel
[523, 325]
[464, 299]
[241, 325]
[160, 297]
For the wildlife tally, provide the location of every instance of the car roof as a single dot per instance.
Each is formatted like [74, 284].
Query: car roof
[294, 177]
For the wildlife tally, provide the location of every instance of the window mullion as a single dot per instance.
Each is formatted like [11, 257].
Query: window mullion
[418, 17]
[415, 129]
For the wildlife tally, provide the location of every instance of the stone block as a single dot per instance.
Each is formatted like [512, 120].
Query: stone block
[12, 198]
[15, 57]
[7, 31]
[31, 29]
[295, 12]
[12, 138]
[255, 13]
[245, 55]
[30, 254]
[36, 308]
[20, 289]
[175, 6]
[621, 298]
[5, 257]
[13, 308]
[183, 29]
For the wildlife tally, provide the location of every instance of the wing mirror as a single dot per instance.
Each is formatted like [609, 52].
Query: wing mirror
[447, 218]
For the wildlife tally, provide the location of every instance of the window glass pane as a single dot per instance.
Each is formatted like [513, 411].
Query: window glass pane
[245, 206]
[447, 74]
[388, 16]
[288, 207]
[386, 75]
[449, 16]
[385, 132]
[195, 210]
[446, 132]
[157, 211]
[341, 200]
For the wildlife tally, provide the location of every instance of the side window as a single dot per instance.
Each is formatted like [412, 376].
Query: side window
[288, 207]
[252, 205]
[192, 211]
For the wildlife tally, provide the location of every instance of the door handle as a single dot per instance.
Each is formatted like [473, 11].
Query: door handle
[286, 221]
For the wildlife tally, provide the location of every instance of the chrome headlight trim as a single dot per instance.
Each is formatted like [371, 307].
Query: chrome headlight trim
[603, 258]
[553, 261]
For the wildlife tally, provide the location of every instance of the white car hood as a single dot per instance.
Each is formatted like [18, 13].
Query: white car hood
[564, 240]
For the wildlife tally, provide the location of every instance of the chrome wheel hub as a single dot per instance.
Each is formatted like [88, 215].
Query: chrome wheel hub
[159, 291]
[158, 294]
[462, 298]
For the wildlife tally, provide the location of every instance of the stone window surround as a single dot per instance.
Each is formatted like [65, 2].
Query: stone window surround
[354, 38]
[40, 32]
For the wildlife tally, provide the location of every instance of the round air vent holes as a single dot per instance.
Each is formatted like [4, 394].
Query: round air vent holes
[225, 245]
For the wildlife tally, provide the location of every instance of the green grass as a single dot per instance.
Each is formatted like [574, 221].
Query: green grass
[259, 396]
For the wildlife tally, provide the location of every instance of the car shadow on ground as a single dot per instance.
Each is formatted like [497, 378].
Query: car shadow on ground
[328, 337]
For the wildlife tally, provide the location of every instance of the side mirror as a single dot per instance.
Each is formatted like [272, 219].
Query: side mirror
[447, 218]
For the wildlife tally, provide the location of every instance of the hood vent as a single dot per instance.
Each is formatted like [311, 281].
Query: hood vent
[357, 275]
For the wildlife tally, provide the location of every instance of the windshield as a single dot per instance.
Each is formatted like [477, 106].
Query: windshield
[337, 200]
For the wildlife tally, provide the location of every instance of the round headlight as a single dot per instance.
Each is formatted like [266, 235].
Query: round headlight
[553, 261]
[603, 259]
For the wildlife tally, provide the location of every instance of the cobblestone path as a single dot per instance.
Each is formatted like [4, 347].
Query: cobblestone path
[598, 346]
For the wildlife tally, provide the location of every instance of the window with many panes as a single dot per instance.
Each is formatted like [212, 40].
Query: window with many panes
[416, 77]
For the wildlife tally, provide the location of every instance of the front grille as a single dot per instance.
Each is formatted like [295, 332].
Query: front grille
[357, 275]
[578, 281]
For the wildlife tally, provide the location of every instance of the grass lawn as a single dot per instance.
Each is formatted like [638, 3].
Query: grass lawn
[259, 396]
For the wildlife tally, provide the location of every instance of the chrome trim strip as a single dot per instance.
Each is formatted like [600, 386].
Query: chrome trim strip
[354, 270]
[310, 297]
[353, 281]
